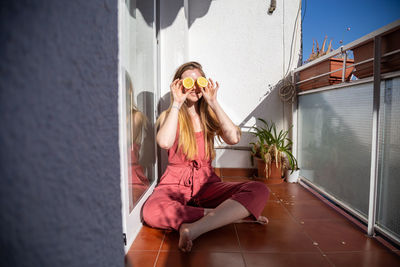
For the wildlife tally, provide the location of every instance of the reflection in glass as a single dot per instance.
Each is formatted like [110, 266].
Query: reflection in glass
[335, 133]
[136, 128]
[138, 62]
[388, 213]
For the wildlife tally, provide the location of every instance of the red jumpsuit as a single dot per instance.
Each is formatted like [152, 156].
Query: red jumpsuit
[189, 186]
[138, 182]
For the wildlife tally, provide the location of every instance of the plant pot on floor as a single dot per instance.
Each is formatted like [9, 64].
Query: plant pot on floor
[292, 177]
[325, 66]
[275, 174]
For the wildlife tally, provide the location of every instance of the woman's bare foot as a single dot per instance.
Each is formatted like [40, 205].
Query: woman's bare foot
[261, 220]
[185, 241]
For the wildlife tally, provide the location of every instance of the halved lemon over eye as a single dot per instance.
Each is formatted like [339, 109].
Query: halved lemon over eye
[188, 82]
[202, 82]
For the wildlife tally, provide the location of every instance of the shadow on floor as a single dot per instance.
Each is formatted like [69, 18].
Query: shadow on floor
[302, 231]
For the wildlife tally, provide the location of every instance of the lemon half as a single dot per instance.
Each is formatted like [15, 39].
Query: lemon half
[202, 82]
[188, 82]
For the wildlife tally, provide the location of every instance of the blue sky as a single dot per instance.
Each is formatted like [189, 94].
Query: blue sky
[333, 18]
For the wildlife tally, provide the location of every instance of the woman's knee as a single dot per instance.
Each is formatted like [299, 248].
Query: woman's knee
[259, 190]
[145, 211]
[159, 213]
[150, 212]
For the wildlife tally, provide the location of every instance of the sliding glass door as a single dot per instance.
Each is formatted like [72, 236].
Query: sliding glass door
[137, 96]
[388, 212]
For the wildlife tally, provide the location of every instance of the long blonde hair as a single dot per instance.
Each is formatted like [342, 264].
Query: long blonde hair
[209, 121]
[138, 121]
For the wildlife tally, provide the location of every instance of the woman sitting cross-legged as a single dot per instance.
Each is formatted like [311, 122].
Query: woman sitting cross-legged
[190, 197]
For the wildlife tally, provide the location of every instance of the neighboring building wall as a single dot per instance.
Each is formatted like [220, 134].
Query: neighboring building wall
[242, 47]
[59, 158]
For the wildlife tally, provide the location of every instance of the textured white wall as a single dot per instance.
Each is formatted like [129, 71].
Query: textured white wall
[243, 48]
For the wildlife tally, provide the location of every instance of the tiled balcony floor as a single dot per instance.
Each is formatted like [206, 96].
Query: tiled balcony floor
[302, 231]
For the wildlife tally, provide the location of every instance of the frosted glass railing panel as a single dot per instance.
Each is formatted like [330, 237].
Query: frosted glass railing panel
[334, 142]
[388, 215]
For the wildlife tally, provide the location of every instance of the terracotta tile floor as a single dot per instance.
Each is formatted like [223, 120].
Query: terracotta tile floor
[303, 231]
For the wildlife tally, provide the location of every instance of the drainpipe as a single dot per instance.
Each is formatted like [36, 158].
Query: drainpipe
[272, 7]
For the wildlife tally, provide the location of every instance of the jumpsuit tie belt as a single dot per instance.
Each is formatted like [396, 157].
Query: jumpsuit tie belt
[194, 166]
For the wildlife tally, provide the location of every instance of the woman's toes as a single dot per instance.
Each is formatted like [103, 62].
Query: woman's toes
[189, 245]
[262, 220]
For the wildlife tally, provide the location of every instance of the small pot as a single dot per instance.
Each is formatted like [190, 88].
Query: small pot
[292, 178]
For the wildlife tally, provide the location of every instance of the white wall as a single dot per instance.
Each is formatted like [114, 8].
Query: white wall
[173, 51]
[236, 43]
[245, 50]
[173, 40]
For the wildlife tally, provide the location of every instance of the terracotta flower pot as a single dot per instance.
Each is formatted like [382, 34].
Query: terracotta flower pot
[275, 175]
[328, 65]
[389, 42]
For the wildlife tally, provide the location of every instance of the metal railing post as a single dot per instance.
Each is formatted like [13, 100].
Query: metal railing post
[375, 138]
[294, 120]
[344, 65]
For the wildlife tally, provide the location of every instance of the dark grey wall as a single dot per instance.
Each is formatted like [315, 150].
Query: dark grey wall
[59, 159]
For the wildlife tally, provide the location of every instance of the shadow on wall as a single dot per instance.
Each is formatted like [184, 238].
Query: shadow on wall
[271, 108]
[162, 155]
[197, 9]
[145, 7]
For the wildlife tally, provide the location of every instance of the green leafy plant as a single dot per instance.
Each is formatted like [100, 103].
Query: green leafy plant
[273, 147]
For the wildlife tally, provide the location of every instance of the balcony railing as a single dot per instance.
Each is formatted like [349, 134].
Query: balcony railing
[391, 46]
[347, 135]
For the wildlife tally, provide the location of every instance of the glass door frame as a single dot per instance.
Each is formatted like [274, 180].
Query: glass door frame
[131, 221]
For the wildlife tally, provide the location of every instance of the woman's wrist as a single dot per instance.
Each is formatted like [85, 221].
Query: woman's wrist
[176, 105]
[213, 104]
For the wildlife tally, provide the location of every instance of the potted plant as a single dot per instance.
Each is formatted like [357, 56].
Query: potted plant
[331, 64]
[272, 152]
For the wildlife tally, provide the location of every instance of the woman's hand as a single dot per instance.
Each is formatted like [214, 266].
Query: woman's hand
[177, 92]
[210, 93]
